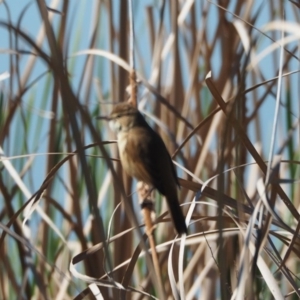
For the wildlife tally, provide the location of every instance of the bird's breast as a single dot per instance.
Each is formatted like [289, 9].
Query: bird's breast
[126, 156]
[122, 141]
[131, 159]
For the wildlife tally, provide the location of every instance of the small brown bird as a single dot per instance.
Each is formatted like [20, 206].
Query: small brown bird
[144, 156]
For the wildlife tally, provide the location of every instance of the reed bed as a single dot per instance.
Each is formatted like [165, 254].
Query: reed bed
[219, 80]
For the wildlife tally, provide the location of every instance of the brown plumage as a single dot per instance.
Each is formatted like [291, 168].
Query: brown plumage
[144, 156]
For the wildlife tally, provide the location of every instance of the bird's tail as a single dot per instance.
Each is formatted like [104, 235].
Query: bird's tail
[177, 215]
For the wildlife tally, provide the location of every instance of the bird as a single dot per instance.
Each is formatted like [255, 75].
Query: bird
[144, 156]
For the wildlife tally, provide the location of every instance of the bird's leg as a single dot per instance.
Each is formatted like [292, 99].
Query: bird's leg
[147, 205]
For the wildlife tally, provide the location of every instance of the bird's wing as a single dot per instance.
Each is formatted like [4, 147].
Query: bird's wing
[153, 154]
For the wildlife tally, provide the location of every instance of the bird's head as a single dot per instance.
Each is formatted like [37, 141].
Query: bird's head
[123, 117]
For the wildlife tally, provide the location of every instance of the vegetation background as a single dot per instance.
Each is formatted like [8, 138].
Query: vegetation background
[233, 133]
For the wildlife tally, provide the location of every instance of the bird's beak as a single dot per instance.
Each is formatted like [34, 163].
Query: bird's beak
[106, 118]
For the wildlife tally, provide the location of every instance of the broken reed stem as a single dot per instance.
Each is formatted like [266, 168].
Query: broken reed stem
[147, 205]
[143, 189]
[133, 86]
